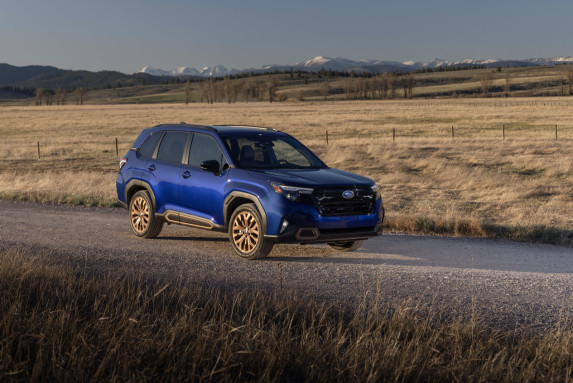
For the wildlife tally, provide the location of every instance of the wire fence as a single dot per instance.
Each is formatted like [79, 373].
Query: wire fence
[115, 148]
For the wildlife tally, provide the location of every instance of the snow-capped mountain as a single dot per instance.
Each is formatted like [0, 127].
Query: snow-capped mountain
[155, 71]
[345, 65]
[216, 71]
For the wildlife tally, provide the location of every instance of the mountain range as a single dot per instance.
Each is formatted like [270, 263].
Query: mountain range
[27, 78]
[359, 66]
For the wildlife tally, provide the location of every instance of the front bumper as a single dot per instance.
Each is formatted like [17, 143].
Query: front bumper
[311, 234]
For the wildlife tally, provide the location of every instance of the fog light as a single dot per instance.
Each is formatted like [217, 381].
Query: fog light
[284, 226]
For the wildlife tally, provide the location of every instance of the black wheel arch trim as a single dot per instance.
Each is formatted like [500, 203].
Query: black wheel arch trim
[243, 195]
[140, 184]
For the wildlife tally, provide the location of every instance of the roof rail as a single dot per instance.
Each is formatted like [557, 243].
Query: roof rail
[206, 127]
[247, 126]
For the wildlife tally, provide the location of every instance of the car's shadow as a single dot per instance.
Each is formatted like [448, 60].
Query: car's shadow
[417, 251]
[439, 252]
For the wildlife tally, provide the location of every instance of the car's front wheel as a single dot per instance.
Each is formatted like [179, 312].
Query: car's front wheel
[346, 245]
[142, 216]
[246, 233]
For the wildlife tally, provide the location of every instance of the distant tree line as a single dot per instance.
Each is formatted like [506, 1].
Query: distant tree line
[18, 90]
[385, 86]
[47, 96]
[260, 86]
[451, 68]
[243, 89]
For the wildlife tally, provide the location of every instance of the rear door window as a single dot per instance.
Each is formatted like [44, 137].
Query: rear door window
[172, 147]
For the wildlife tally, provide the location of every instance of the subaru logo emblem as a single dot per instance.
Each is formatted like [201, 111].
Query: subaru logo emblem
[348, 194]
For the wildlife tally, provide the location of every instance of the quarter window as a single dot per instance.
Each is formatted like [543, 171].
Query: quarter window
[148, 147]
[172, 147]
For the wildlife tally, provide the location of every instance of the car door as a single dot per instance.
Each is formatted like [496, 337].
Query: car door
[202, 192]
[166, 169]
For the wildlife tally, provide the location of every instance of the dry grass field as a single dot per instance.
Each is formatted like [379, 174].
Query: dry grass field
[63, 324]
[475, 183]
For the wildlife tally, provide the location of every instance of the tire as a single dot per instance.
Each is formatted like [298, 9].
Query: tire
[346, 246]
[246, 233]
[142, 216]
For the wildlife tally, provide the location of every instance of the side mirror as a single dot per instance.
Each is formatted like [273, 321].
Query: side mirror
[210, 166]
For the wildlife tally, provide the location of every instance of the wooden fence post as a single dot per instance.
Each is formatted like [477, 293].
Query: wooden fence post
[503, 131]
[394, 134]
[116, 148]
[327, 137]
[453, 132]
[38, 149]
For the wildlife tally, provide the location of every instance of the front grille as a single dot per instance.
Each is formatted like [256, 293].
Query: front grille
[330, 203]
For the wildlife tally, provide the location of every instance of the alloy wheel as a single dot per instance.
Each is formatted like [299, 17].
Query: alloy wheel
[246, 232]
[139, 214]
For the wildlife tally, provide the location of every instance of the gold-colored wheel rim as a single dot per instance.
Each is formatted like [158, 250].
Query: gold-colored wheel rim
[245, 232]
[139, 214]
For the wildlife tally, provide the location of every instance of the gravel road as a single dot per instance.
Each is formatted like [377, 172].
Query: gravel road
[504, 282]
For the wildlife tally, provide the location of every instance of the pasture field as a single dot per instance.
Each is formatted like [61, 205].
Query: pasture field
[62, 323]
[475, 183]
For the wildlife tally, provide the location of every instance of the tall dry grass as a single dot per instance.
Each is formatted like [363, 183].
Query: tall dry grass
[59, 324]
[476, 183]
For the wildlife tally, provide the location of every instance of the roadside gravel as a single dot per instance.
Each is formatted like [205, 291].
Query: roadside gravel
[503, 282]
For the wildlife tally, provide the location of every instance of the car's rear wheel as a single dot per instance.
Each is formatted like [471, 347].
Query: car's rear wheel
[246, 233]
[346, 245]
[142, 216]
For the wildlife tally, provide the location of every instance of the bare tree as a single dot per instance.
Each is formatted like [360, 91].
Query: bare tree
[568, 73]
[410, 86]
[219, 91]
[212, 90]
[385, 83]
[187, 92]
[208, 91]
[249, 89]
[49, 96]
[227, 89]
[485, 80]
[349, 86]
[325, 89]
[261, 90]
[204, 92]
[272, 85]
[404, 82]
[61, 96]
[81, 95]
[507, 86]
[377, 87]
[236, 89]
[361, 88]
[39, 95]
[393, 82]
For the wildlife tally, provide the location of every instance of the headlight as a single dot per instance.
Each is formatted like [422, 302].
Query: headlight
[292, 193]
[376, 190]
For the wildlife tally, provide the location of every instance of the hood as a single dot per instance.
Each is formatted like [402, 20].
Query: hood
[312, 177]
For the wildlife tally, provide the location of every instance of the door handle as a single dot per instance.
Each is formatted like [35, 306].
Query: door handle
[151, 168]
[186, 174]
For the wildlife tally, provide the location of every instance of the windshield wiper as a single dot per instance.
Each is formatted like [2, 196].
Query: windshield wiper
[292, 166]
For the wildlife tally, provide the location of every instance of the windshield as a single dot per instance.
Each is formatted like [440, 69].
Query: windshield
[271, 152]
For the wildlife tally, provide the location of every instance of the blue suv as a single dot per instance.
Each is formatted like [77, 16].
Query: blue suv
[259, 185]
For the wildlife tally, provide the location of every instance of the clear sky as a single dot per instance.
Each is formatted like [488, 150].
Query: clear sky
[126, 35]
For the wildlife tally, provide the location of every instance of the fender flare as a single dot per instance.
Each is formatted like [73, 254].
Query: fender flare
[140, 184]
[233, 196]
